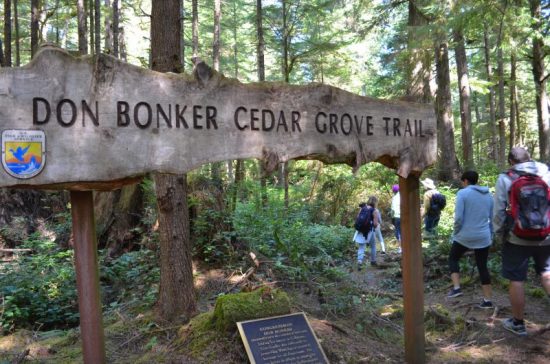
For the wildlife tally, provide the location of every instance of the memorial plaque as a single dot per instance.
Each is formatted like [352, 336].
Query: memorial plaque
[281, 339]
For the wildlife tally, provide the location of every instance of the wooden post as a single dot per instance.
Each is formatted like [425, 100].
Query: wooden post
[413, 272]
[87, 277]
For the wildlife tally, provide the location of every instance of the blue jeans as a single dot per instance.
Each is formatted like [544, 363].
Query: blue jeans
[397, 224]
[361, 249]
[431, 222]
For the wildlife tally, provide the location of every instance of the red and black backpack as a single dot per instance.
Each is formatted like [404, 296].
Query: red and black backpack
[529, 206]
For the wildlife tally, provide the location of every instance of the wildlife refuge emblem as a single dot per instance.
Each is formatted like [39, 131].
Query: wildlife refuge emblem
[23, 152]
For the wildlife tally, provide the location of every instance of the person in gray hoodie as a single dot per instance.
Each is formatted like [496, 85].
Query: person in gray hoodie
[516, 252]
[472, 231]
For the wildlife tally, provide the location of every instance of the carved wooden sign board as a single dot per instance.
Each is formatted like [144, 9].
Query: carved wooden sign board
[98, 123]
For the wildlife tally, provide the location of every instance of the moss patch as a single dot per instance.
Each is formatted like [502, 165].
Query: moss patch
[264, 302]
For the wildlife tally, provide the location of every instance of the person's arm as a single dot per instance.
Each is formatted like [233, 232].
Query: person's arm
[500, 204]
[459, 213]
[375, 219]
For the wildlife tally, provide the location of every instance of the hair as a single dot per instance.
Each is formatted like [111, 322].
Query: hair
[518, 155]
[372, 201]
[362, 204]
[471, 176]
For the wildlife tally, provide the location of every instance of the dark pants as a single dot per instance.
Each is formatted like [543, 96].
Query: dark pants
[397, 224]
[458, 250]
[431, 222]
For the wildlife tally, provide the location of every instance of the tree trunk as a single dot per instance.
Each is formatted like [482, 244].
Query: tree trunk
[513, 126]
[261, 78]
[195, 27]
[91, 8]
[7, 34]
[82, 27]
[122, 46]
[261, 42]
[35, 15]
[540, 81]
[1, 54]
[216, 43]
[108, 48]
[492, 115]
[464, 93]
[419, 65]
[116, 30]
[176, 292]
[501, 109]
[97, 26]
[216, 167]
[17, 39]
[448, 166]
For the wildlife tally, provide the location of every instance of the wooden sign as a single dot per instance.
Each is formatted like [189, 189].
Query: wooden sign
[103, 123]
[281, 339]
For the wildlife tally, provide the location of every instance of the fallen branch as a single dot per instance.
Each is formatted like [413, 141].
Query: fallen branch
[395, 296]
[6, 250]
[243, 279]
[334, 326]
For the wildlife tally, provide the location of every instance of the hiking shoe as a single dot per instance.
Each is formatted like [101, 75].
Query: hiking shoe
[454, 293]
[374, 264]
[359, 267]
[383, 252]
[518, 329]
[486, 304]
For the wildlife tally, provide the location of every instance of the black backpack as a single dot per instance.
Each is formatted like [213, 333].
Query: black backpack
[364, 223]
[437, 203]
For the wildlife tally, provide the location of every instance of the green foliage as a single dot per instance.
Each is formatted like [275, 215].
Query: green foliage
[38, 290]
[131, 279]
[298, 246]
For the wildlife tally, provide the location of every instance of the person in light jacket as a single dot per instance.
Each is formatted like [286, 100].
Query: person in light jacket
[517, 252]
[472, 231]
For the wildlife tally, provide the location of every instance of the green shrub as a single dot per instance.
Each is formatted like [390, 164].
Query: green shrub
[38, 290]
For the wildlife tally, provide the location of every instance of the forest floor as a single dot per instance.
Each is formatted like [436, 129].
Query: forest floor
[456, 330]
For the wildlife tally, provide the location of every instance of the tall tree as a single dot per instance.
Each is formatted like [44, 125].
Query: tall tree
[464, 95]
[195, 27]
[448, 166]
[176, 292]
[116, 29]
[216, 167]
[492, 114]
[7, 33]
[514, 120]
[82, 26]
[108, 29]
[97, 26]
[540, 78]
[260, 47]
[17, 38]
[35, 16]
[419, 58]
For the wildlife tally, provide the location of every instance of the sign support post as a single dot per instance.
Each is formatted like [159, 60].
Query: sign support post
[413, 270]
[87, 277]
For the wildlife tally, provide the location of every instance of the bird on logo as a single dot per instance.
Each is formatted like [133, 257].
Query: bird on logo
[19, 152]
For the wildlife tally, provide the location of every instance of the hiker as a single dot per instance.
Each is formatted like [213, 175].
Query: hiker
[518, 243]
[434, 202]
[377, 233]
[396, 214]
[472, 231]
[365, 224]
